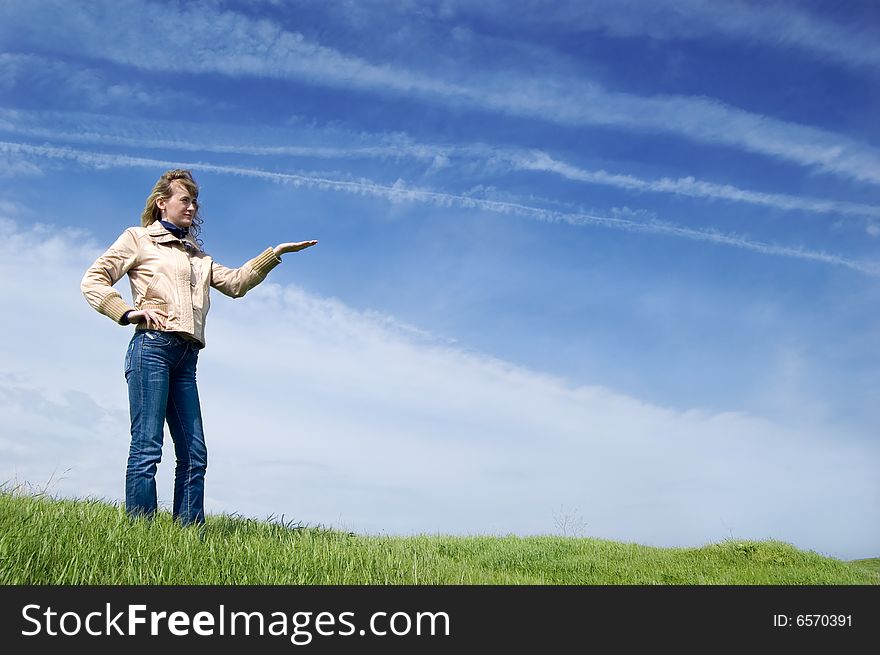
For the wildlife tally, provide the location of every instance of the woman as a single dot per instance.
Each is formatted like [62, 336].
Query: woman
[170, 278]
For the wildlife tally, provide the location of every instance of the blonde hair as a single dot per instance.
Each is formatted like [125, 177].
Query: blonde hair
[163, 189]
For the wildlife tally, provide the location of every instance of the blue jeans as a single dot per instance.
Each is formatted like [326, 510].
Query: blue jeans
[160, 368]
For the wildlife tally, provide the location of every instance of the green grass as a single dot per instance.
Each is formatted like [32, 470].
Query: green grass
[872, 565]
[44, 540]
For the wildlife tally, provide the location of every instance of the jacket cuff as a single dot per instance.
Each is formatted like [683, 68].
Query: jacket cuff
[114, 307]
[265, 262]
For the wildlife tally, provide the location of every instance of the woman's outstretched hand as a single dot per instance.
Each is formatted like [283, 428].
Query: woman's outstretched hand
[282, 248]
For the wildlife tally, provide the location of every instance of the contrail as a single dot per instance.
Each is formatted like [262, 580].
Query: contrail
[399, 192]
[88, 131]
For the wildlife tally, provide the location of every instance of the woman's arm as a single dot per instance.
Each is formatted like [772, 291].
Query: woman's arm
[235, 282]
[97, 283]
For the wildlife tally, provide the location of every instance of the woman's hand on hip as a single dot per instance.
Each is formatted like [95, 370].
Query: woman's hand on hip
[153, 318]
[282, 248]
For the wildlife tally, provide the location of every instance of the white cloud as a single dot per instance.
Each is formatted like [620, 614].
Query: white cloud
[13, 166]
[235, 45]
[78, 85]
[400, 192]
[74, 127]
[330, 415]
[689, 186]
[774, 24]
[106, 129]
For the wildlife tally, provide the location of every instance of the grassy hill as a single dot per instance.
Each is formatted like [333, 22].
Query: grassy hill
[872, 564]
[44, 540]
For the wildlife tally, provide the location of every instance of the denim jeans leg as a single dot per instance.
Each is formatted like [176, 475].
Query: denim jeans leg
[184, 418]
[147, 374]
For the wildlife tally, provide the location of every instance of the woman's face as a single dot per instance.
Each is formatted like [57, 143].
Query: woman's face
[180, 207]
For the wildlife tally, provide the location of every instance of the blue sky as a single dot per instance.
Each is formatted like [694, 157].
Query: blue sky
[611, 264]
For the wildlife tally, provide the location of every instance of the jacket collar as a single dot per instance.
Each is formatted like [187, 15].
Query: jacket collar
[160, 235]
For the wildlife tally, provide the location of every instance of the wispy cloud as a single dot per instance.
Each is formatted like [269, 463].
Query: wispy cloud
[12, 165]
[776, 25]
[108, 130]
[232, 44]
[78, 85]
[689, 186]
[408, 450]
[400, 192]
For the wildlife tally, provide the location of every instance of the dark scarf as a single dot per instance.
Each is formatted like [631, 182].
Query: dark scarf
[179, 232]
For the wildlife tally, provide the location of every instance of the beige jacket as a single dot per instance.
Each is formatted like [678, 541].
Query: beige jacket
[169, 274]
